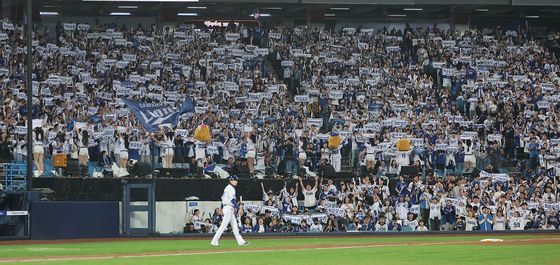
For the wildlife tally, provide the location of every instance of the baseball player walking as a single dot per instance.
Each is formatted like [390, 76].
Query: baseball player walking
[229, 206]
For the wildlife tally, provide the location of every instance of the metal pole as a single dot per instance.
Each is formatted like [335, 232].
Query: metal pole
[29, 86]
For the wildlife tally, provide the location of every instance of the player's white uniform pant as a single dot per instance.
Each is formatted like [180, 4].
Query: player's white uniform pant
[336, 162]
[229, 219]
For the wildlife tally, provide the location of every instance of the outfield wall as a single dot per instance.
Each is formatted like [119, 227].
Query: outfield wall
[171, 216]
[67, 220]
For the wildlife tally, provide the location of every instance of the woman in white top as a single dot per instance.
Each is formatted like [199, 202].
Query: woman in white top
[549, 196]
[309, 198]
[410, 221]
[145, 149]
[499, 221]
[83, 142]
[167, 149]
[421, 226]
[401, 206]
[394, 167]
[38, 150]
[250, 140]
[435, 214]
[471, 222]
[370, 154]
[325, 153]
[123, 158]
[348, 208]
[121, 154]
[302, 156]
[73, 148]
[470, 159]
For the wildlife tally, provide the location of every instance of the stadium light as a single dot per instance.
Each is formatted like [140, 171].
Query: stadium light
[272, 8]
[128, 7]
[48, 13]
[120, 14]
[413, 9]
[532, 16]
[397, 15]
[340, 8]
[196, 7]
[482, 10]
[187, 14]
[330, 15]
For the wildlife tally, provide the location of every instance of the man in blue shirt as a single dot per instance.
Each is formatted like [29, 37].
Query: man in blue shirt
[533, 153]
[449, 216]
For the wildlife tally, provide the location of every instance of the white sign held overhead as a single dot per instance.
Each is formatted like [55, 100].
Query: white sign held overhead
[69, 26]
[232, 36]
[301, 98]
[287, 63]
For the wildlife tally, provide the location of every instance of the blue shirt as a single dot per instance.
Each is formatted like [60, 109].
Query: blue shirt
[533, 150]
[485, 225]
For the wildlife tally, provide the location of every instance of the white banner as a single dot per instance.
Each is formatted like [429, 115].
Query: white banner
[83, 27]
[315, 122]
[301, 98]
[69, 26]
[20, 130]
[393, 48]
[135, 145]
[336, 94]
[273, 210]
[37, 123]
[274, 35]
[232, 36]
[231, 86]
[287, 63]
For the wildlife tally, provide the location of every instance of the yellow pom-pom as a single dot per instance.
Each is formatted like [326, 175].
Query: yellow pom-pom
[202, 133]
[403, 145]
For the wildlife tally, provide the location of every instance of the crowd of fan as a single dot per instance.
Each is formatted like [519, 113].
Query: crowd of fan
[450, 204]
[484, 99]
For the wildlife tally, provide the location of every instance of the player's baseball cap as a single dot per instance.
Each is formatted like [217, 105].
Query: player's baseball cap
[233, 177]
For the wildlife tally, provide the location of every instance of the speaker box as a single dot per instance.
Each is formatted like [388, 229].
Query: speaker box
[409, 171]
[172, 173]
[73, 168]
[141, 170]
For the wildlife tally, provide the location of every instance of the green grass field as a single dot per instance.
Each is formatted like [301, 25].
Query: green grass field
[518, 249]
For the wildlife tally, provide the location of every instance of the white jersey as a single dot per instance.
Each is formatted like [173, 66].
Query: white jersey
[471, 224]
[370, 149]
[229, 218]
[229, 194]
[250, 146]
[517, 223]
[435, 210]
[409, 223]
[499, 223]
[309, 198]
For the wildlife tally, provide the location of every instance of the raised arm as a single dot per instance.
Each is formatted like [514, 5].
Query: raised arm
[316, 183]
